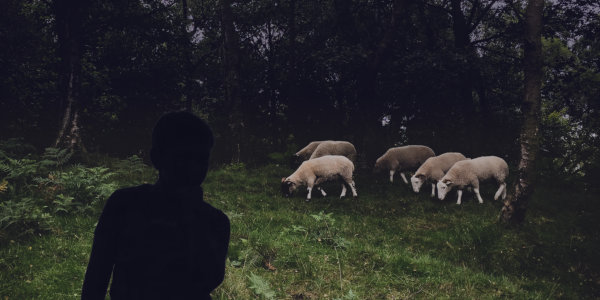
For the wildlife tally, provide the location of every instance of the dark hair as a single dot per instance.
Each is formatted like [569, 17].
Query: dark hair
[175, 129]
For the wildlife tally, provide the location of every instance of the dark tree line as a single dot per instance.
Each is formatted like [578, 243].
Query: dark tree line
[270, 76]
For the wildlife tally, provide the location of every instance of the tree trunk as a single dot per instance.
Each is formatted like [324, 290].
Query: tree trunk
[467, 76]
[187, 54]
[515, 205]
[231, 59]
[364, 117]
[69, 24]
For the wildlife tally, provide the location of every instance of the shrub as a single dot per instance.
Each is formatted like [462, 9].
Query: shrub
[22, 217]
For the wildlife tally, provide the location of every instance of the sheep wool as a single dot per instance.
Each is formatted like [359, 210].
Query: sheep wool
[403, 159]
[468, 173]
[433, 169]
[307, 151]
[335, 148]
[318, 170]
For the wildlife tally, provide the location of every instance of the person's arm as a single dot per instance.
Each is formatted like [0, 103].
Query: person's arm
[103, 254]
[222, 234]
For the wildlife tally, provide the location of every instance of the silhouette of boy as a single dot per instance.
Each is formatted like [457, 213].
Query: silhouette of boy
[162, 241]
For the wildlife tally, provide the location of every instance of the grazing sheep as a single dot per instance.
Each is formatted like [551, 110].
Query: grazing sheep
[401, 159]
[307, 151]
[433, 169]
[318, 170]
[335, 148]
[469, 172]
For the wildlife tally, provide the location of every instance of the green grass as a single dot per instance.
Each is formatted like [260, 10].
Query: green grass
[387, 244]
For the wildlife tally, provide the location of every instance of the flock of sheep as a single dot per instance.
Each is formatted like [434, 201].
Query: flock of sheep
[334, 160]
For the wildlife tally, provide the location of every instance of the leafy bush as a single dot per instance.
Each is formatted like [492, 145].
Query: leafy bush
[18, 173]
[34, 189]
[55, 157]
[15, 147]
[21, 217]
[132, 171]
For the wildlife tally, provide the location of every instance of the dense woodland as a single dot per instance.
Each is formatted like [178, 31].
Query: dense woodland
[270, 76]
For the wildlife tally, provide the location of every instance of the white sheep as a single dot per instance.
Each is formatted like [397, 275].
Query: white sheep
[318, 170]
[402, 159]
[307, 151]
[433, 169]
[335, 148]
[468, 173]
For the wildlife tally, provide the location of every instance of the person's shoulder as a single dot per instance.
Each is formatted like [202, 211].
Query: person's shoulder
[214, 212]
[128, 195]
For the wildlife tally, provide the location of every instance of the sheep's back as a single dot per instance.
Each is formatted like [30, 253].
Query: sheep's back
[309, 149]
[487, 167]
[329, 165]
[335, 148]
[410, 157]
[447, 160]
[461, 173]
[437, 166]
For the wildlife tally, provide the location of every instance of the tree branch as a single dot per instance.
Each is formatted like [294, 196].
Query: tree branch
[474, 8]
[489, 38]
[502, 54]
[442, 8]
[516, 9]
[484, 12]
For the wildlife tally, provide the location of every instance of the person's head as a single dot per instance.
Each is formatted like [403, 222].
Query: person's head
[181, 144]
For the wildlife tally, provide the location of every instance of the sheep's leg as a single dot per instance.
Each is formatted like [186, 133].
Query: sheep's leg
[392, 175]
[459, 196]
[343, 194]
[476, 190]
[310, 183]
[433, 190]
[318, 182]
[322, 191]
[504, 192]
[500, 191]
[353, 188]
[403, 177]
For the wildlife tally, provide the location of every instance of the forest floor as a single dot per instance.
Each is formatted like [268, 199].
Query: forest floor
[389, 243]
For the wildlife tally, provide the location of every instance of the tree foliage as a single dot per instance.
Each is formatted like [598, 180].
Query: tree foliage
[378, 73]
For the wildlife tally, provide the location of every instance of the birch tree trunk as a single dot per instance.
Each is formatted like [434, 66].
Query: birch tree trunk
[515, 205]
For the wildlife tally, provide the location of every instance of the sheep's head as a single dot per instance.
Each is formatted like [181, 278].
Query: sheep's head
[417, 181]
[443, 187]
[287, 187]
[378, 166]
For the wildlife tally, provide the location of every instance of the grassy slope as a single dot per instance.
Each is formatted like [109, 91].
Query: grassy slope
[387, 244]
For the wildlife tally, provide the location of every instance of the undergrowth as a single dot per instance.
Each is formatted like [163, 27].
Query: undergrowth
[388, 243]
[36, 188]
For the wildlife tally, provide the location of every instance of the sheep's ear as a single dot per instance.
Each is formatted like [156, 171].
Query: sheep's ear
[447, 182]
[282, 179]
[420, 176]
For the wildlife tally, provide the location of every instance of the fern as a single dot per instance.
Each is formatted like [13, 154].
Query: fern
[55, 157]
[22, 217]
[3, 186]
